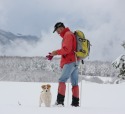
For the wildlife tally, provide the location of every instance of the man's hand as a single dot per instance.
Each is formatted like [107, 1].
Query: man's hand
[49, 57]
[53, 53]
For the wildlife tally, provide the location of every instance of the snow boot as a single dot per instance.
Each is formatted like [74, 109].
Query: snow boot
[75, 96]
[60, 100]
[75, 102]
[61, 94]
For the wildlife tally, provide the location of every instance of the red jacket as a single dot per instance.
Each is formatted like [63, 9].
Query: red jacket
[68, 47]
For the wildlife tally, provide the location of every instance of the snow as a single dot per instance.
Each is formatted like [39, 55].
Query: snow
[119, 62]
[23, 98]
[39, 69]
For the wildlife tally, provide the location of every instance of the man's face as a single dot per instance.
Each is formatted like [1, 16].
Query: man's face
[59, 30]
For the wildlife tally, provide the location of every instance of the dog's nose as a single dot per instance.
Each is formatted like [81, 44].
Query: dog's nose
[46, 90]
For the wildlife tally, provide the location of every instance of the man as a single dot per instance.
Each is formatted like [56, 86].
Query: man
[68, 64]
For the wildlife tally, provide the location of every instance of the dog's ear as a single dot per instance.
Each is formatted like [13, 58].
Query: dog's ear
[48, 86]
[43, 86]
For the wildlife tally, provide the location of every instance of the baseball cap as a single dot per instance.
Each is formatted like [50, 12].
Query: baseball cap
[57, 25]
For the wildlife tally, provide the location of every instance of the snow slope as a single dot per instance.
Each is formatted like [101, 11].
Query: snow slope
[23, 98]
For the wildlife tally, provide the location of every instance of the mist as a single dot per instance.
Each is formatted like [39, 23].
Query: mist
[102, 21]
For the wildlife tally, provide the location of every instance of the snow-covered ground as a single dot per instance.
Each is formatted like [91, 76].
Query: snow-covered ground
[23, 98]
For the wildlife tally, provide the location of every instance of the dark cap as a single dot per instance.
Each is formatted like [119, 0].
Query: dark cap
[57, 25]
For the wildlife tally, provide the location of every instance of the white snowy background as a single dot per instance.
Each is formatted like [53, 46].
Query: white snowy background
[26, 28]
[39, 69]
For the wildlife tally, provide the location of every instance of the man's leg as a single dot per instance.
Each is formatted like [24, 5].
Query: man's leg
[61, 93]
[75, 88]
[66, 73]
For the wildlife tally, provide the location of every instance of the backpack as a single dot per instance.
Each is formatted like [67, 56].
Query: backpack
[83, 45]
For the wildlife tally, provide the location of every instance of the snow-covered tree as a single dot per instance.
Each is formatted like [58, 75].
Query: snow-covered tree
[41, 70]
[123, 44]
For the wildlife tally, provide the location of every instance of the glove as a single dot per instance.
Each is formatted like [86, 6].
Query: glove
[49, 57]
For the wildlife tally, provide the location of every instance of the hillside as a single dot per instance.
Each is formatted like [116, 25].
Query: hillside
[38, 69]
[15, 44]
[7, 38]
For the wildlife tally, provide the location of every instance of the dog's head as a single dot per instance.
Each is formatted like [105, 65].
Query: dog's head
[46, 88]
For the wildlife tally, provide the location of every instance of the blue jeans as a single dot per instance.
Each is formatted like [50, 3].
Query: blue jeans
[70, 71]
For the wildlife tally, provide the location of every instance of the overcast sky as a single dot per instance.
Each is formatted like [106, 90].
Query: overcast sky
[102, 21]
